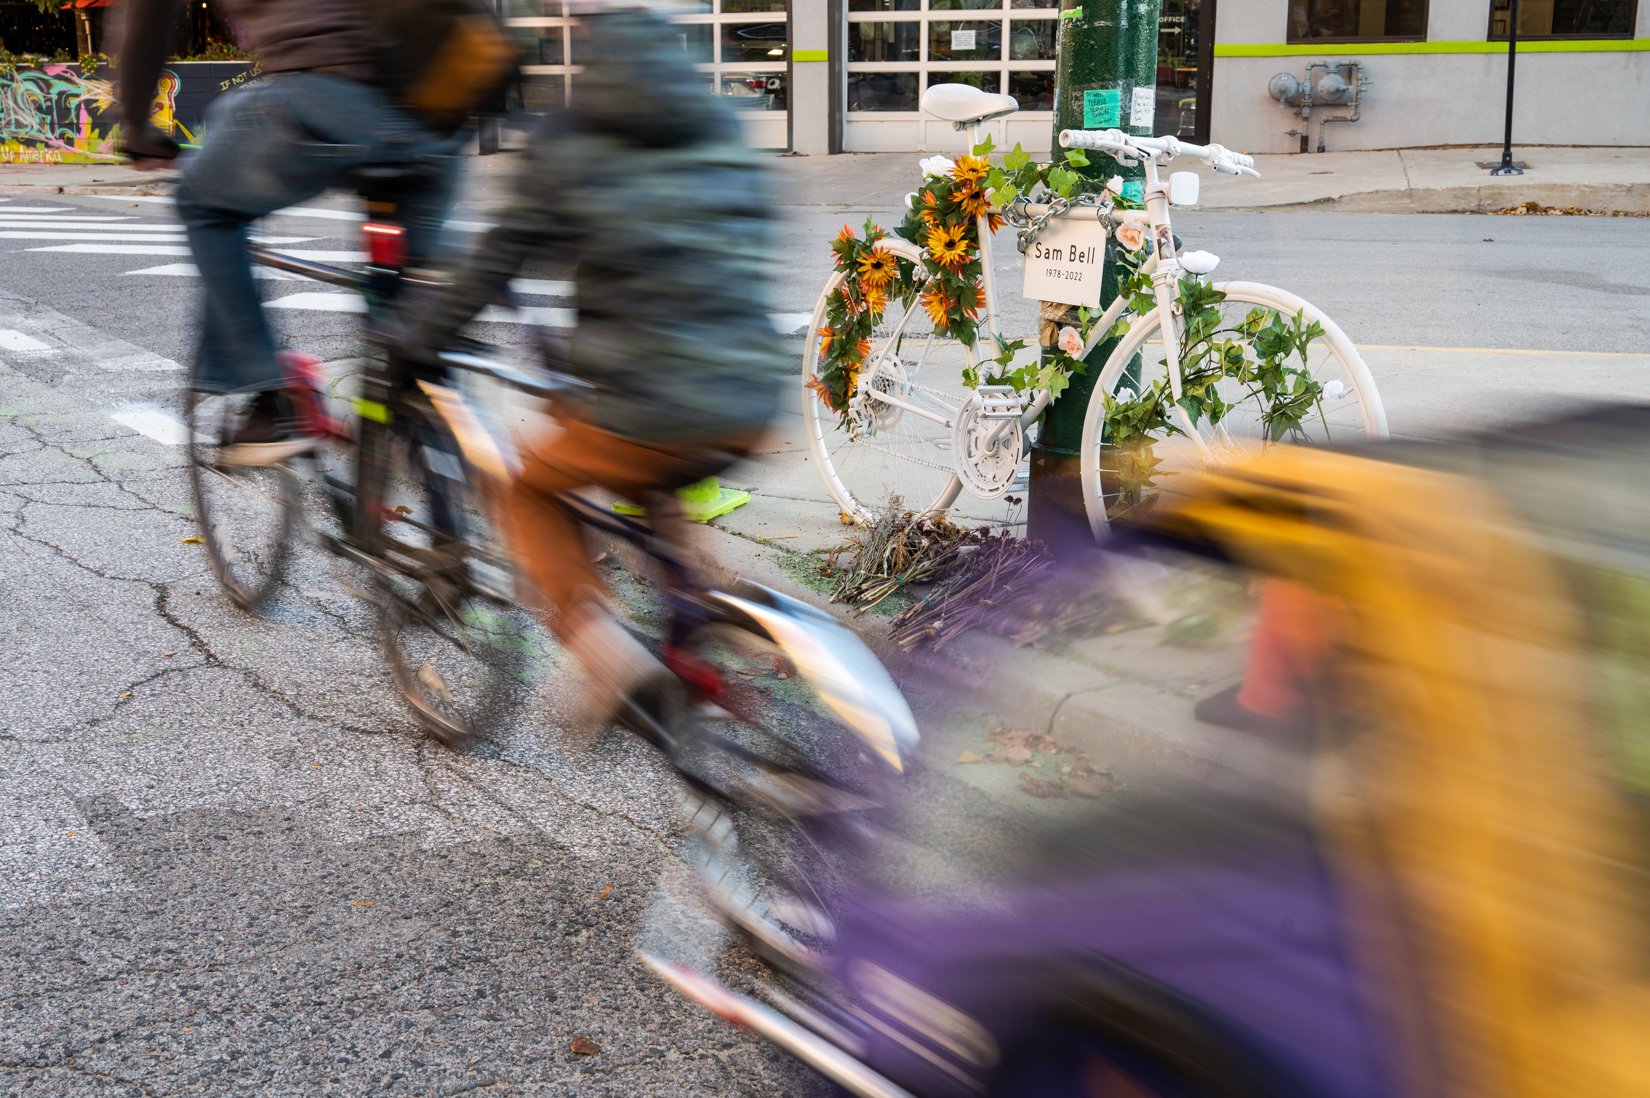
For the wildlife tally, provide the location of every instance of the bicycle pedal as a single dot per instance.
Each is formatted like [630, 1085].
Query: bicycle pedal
[999, 402]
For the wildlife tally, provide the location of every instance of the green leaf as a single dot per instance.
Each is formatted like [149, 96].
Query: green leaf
[1077, 158]
[1016, 159]
[986, 147]
[1005, 194]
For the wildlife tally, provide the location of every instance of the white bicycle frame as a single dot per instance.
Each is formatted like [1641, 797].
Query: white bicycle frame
[1163, 267]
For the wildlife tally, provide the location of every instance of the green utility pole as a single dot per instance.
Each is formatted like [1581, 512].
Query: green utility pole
[1105, 78]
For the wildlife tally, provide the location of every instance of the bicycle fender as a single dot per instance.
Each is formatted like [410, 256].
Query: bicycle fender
[835, 664]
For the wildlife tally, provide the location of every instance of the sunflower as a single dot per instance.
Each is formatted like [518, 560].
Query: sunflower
[994, 221]
[877, 268]
[876, 300]
[938, 307]
[970, 169]
[862, 349]
[971, 199]
[948, 245]
[846, 234]
[825, 337]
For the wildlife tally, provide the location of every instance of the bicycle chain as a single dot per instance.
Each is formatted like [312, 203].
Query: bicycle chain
[1030, 227]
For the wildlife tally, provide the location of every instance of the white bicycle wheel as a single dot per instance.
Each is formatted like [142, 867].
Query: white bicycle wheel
[1344, 408]
[881, 449]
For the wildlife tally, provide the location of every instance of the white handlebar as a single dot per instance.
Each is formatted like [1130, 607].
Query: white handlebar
[1123, 147]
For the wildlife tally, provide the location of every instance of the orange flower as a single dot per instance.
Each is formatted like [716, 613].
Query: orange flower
[971, 198]
[930, 206]
[861, 350]
[970, 169]
[825, 337]
[994, 221]
[846, 234]
[850, 300]
[819, 389]
[877, 268]
[948, 245]
[938, 307]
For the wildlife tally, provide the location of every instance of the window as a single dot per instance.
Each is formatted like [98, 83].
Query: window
[898, 47]
[1357, 20]
[742, 47]
[1564, 18]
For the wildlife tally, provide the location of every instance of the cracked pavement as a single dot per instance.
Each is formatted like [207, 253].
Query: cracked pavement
[229, 860]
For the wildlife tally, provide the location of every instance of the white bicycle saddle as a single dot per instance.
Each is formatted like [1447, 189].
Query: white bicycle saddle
[964, 103]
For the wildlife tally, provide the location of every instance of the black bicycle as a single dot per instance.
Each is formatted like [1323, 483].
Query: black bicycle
[387, 494]
[780, 708]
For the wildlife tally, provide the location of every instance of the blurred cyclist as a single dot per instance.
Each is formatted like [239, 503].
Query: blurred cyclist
[645, 188]
[314, 116]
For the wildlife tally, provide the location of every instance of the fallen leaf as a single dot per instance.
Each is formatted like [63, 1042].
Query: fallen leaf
[584, 1046]
[316, 766]
[167, 655]
[72, 834]
[607, 890]
[970, 757]
[403, 509]
[362, 903]
[126, 693]
[1042, 787]
[195, 540]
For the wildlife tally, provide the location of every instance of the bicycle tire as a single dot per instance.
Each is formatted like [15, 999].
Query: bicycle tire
[1356, 414]
[796, 787]
[248, 515]
[461, 650]
[873, 456]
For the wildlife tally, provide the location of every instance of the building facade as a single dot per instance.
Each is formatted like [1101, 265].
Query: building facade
[822, 76]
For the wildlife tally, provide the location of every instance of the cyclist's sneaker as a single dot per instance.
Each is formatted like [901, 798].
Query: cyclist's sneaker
[270, 434]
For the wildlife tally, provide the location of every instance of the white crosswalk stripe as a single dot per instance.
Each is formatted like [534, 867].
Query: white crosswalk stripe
[123, 235]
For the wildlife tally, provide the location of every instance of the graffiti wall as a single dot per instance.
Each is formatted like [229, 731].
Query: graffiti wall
[53, 114]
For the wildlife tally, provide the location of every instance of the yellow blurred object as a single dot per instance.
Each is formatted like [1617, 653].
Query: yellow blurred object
[1493, 869]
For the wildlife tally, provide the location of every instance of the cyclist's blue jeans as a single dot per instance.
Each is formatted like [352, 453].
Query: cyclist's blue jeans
[284, 139]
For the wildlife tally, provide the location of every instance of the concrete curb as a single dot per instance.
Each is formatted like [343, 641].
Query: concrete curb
[1080, 705]
[1596, 197]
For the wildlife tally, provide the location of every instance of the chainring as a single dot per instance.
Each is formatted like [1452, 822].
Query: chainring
[987, 469]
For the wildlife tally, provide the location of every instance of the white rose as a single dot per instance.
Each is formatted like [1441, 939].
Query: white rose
[1199, 263]
[1333, 391]
[1115, 184]
[1125, 396]
[1070, 341]
[938, 166]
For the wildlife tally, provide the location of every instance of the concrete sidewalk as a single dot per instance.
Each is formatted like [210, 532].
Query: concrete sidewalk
[1446, 180]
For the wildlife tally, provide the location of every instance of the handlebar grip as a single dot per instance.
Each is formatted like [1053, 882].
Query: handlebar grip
[1097, 140]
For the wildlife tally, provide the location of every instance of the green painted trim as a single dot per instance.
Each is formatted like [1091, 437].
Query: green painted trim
[810, 55]
[1352, 49]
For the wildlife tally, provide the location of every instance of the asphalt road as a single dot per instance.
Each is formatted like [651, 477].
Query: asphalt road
[228, 861]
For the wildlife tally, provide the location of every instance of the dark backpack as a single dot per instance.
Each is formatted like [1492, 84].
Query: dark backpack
[443, 60]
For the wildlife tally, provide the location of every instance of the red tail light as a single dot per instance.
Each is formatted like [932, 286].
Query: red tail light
[386, 245]
[700, 676]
